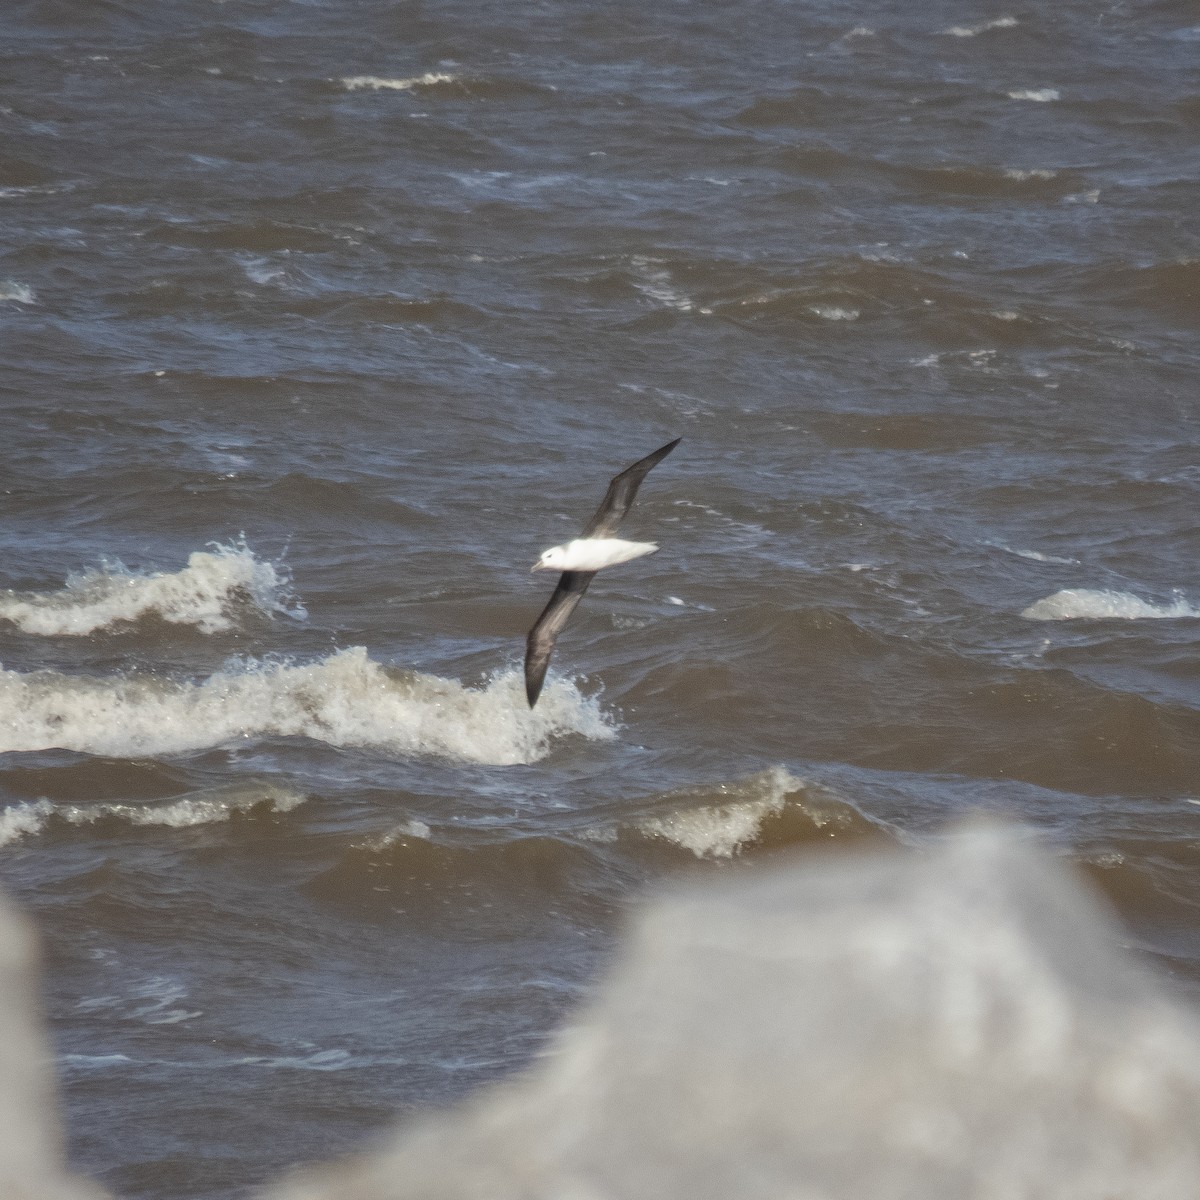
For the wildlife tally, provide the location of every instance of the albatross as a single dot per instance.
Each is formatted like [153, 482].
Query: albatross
[579, 560]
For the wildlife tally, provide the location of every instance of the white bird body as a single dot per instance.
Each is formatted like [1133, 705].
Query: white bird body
[580, 559]
[592, 554]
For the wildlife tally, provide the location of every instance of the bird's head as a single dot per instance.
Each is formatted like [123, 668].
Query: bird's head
[553, 559]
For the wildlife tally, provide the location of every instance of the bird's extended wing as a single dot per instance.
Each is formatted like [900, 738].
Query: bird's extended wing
[621, 491]
[539, 645]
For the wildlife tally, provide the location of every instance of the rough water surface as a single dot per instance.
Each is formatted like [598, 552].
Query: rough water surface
[321, 321]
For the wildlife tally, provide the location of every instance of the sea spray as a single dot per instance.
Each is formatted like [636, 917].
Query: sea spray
[207, 594]
[345, 699]
[723, 821]
[199, 808]
[1077, 604]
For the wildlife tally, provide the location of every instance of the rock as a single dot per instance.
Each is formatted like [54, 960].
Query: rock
[31, 1157]
[956, 1024]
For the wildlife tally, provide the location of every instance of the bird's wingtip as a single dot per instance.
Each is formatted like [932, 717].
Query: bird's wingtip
[533, 687]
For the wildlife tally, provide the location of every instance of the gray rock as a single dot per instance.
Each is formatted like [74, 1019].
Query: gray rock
[952, 1025]
[31, 1161]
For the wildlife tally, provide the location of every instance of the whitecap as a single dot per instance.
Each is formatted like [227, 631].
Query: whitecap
[153, 1002]
[720, 831]
[206, 593]
[411, 828]
[36, 189]
[262, 270]
[200, 808]
[1086, 604]
[345, 699]
[22, 293]
[830, 312]
[656, 282]
[1034, 555]
[28, 817]
[967, 31]
[353, 83]
[1039, 95]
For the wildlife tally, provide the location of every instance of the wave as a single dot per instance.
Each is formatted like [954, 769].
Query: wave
[412, 828]
[22, 293]
[201, 808]
[377, 83]
[1086, 604]
[343, 700]
[1168, 286]
[586, 865]
[207, 593]
[652, 279]
[440, 83]
[771, 808]
[831, 312]
[968, 31]
[1034, 555]
[1038, 95]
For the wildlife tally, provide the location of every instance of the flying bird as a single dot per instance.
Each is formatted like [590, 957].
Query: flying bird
[580, 559]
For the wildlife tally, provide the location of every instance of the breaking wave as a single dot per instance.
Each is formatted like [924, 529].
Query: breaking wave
[970, 31]
[207, 593]
[1079, 604]
[21, 293]
[354, 83]
[201, 808]
[346, 699]
[771, 808]
[1038, 95]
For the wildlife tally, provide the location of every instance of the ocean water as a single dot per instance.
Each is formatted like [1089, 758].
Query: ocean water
[322, 319]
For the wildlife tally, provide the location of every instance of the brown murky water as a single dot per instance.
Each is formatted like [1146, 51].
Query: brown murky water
[321, 320]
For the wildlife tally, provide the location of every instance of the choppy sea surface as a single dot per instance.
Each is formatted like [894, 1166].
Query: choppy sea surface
[320, 320]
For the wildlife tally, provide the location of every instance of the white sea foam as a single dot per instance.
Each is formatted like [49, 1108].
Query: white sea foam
[199, 808]
[1034, 555]
[353, 83]
[346, 699]
[92, 1062]
[22, 293]
[1040, 95]
[1023, 175]
[720, 831]
[206, 593]
[655, 282]
[411, 828]
[154, 1001]
[966, 31]
[831, 312]
[263, 271]
[1085, 604]
[36, 189]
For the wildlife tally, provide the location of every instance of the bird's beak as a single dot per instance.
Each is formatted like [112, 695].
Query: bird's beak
[537, 566]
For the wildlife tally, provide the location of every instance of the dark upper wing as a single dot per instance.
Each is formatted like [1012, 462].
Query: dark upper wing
[539, 645]
[619, 497]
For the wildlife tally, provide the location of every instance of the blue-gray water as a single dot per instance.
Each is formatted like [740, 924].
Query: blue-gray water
[320, 321]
